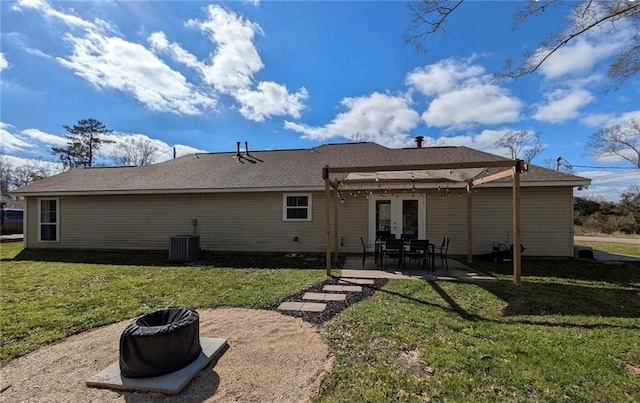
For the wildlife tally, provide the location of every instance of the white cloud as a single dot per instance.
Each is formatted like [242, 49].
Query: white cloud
[164, 151]
[462, 94]
[442, 77]
[233, 65]
[236, 59]
[562, 105]
[576, 58]
[484, 141]
[609, 185]
[10, 140]
[3, 62]
[270, 99]
[160, 44]
[382, 118]
[49, 12]
[474, 104]
[112, 62]
[608, 119]
[46, 138]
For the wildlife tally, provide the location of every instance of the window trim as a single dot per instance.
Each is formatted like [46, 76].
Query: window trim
[40, 223]
[285, 208]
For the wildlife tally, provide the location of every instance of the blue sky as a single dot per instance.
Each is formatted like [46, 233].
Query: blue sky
[200, 76]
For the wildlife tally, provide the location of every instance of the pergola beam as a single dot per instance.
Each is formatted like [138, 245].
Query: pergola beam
[426, 167]
[493, 177]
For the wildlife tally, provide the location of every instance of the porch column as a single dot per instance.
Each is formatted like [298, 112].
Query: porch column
[469, 223]
[516, 222]
[327, 222]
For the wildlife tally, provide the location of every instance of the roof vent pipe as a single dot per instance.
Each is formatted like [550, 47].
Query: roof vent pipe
[246, 147]
[419, 140]
[238, 155]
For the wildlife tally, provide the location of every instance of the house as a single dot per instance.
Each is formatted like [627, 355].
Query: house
[276, 201]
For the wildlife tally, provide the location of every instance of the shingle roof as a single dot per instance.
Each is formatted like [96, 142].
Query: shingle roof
[300, 168]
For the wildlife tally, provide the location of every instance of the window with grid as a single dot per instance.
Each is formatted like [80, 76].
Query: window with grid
[296, 207]
[48, 220]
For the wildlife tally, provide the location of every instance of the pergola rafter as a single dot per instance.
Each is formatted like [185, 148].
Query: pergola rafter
[426, 174]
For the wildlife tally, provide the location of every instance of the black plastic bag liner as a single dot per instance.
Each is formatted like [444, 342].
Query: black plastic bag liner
[160, 342]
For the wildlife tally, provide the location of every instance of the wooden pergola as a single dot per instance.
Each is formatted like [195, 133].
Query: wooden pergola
[513, 169]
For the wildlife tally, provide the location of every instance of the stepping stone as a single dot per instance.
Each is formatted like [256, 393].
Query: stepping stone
[322, 296]
[343, 288]
[302, 306]
[356, 281]
[290, 306]
[313, 307]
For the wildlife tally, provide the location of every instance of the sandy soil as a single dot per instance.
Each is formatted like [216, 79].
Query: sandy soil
[271, 358]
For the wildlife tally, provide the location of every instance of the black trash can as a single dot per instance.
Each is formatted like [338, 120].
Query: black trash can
[160, 342]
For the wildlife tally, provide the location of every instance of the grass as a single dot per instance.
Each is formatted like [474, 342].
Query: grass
[47, 296]
[616, 248]
[569, 331]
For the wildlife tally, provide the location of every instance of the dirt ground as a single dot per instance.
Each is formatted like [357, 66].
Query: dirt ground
[271, 358]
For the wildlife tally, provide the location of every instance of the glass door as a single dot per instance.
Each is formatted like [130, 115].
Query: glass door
[397, 217]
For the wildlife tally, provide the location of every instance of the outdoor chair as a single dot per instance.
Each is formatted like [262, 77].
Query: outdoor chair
[419, 251]
[364, 250]
[393, 249]
[442, 251]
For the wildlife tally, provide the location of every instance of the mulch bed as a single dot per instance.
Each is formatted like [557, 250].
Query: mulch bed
[333, 307]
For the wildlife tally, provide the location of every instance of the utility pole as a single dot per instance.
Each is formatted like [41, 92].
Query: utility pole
[558, 160]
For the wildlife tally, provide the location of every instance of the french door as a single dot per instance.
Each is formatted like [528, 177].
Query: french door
[397, 216]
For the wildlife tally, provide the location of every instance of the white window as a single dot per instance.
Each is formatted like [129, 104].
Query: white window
[48, 220]
[296, 207]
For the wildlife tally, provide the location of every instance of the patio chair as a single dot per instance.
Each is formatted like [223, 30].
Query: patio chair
[364, 251]
[442, 251]
[419, 251]
[393, 249]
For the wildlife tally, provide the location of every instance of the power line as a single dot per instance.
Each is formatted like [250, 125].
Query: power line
[589, 166]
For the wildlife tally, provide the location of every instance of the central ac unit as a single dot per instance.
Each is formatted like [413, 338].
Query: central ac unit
[184, 248]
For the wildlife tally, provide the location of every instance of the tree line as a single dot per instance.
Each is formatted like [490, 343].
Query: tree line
[84, 142]
[605, 217]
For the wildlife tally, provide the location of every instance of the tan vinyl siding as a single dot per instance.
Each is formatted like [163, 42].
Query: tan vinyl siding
[448, 217]
[545, 218]
[226, 222]
[253, 221]
[353, 218]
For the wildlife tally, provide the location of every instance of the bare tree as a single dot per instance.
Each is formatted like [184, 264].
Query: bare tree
[6, 174]
[33, 171]
[558, 164]
[521, 142]
[429, 17]
[135, 151]
[619, 140]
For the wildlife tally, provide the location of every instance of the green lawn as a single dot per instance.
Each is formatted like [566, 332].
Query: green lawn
[617, 248]
[570, 331]
[47, 296]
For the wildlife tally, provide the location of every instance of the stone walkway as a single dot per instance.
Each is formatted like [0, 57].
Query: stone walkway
[331, 293]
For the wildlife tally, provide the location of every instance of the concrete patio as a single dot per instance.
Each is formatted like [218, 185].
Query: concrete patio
[457, 271]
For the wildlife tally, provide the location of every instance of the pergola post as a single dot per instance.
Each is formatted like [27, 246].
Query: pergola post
[335, 226]
[469, 223]
[327, 222]
[516, 222]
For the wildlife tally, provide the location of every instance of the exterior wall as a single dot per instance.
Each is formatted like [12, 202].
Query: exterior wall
[546, 220]
[231, 222]
[253, 223]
